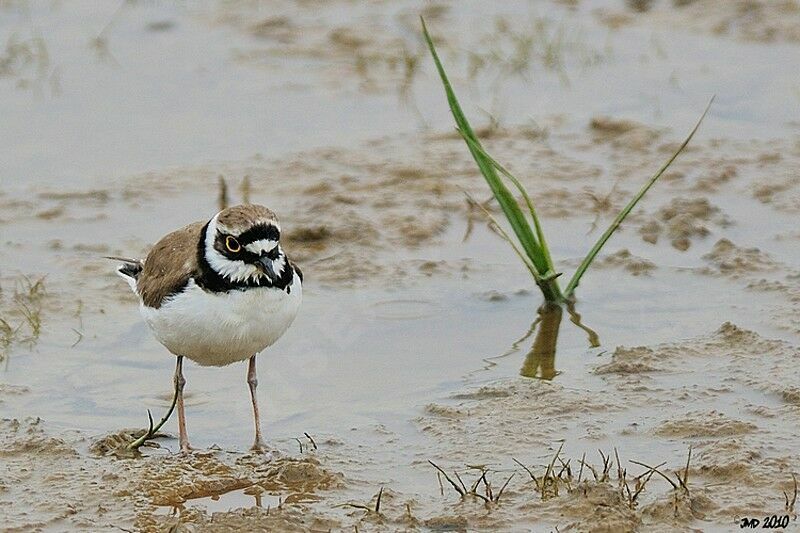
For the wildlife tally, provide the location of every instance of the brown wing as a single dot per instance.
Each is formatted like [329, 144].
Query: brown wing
[169, 265]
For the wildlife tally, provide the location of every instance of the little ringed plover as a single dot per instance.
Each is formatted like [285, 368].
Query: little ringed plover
[218, 292]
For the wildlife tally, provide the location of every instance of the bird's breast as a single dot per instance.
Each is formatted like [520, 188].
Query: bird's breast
[221, 328]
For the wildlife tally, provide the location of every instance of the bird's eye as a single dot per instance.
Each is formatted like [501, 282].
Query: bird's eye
[232, 244]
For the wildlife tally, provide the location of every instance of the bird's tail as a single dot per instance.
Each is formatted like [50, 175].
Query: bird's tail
[128, 270]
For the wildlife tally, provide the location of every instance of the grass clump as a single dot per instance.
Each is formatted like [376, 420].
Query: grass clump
[531, 245]
[558, 478]
[21, 315]
[487, 494]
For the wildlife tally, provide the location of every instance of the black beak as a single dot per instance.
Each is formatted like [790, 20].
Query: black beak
[264, 264]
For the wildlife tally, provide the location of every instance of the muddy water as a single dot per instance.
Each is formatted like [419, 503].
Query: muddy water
[413, 330]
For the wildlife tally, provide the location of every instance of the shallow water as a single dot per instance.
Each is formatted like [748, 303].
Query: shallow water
[124, 125]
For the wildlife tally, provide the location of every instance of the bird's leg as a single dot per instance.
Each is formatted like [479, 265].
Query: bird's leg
[180, 382]
[252, 382]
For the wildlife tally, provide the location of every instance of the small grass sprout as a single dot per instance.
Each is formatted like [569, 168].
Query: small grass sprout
[790, 502]
[368, 508]
[487, 494]
[547, 485]
[152, 430]
[531, 245]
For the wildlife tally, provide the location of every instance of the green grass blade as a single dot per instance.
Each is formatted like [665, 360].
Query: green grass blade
[528, 201]
[576, 278]
[506, 237]
[508, 203]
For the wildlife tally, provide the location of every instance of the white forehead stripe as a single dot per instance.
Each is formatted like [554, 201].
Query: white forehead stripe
[261, 245]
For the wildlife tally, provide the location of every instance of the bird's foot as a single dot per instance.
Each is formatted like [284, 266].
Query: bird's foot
[259, 447]
[186, 448]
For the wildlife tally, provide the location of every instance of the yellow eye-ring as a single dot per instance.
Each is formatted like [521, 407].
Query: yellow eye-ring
[232, 244]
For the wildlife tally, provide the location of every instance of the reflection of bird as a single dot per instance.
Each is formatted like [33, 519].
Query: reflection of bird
[218, 292]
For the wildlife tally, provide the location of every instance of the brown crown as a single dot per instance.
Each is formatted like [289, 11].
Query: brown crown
[241, 217]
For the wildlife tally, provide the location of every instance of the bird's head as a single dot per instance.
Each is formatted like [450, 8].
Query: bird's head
[242, 245]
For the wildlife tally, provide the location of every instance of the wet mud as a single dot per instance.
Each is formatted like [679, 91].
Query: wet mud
[764, 21]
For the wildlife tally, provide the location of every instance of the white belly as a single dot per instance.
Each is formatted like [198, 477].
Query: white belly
[221, 328]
